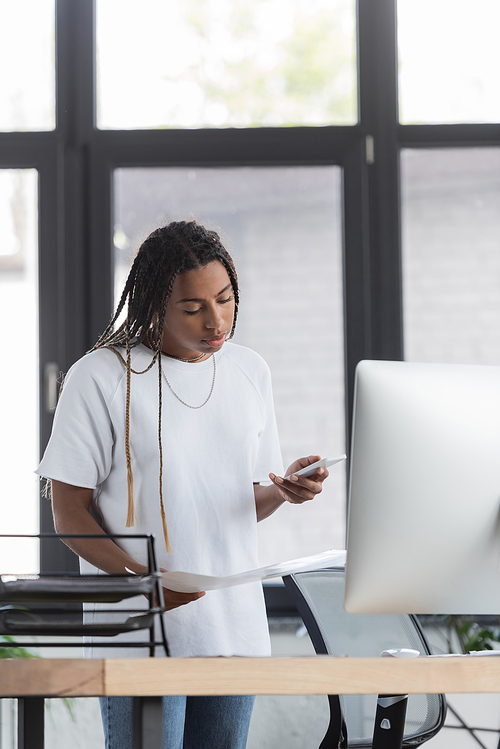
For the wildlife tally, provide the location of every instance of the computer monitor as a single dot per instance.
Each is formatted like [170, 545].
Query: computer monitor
[424, 504]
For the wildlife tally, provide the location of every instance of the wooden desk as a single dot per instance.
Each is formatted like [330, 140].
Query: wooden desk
[151, 678]
[321, 674]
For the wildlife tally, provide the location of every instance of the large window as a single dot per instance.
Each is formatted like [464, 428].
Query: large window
[315, 134]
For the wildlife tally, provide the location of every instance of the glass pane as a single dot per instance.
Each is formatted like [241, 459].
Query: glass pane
[283, 227]
[27, 68]
[451, 255]
[19, 372]
[449, 61]
[219, 63]
[72, 722]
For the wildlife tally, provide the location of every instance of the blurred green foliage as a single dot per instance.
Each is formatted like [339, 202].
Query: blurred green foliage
[13, 652]
[302, 74]
[469, 634]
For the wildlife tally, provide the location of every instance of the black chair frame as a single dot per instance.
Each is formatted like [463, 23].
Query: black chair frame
[336, 736]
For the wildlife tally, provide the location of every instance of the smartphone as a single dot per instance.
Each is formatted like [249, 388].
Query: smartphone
[325, 462]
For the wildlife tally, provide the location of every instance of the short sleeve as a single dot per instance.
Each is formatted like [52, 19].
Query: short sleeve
[269, 453]
[80, 448]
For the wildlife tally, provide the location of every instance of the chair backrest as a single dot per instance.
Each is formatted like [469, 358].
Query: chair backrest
[319, 596]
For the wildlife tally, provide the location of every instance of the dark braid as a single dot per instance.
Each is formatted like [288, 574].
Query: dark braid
[160, 409]
[231, 272]
[108, 332]
[167, 252]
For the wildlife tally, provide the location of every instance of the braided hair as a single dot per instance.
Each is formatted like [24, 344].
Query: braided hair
[167, 252]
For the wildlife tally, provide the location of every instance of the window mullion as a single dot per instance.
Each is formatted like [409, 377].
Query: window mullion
[379, 119]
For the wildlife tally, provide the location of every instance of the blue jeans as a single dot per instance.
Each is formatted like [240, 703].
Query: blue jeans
[188, 722]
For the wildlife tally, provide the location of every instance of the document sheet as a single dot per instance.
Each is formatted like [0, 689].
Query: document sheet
[187, 582]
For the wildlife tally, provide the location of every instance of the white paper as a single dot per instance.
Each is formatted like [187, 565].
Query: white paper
[187, 582]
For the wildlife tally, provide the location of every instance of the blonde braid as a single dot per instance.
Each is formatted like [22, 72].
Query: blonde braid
[124, 361]
[160, 445]
[159, 334]
[130, 475]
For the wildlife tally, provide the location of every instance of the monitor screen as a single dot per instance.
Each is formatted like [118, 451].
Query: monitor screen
[424, 500]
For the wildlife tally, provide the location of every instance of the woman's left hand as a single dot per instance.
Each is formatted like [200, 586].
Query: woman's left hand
[299, 489]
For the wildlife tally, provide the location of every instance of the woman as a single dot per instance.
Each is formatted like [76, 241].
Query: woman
[180, 450]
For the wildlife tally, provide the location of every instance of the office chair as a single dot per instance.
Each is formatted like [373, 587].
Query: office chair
[319, 597]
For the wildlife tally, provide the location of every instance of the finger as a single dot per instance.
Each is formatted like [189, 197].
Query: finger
[175, 595]
[311, 482]
[296, 498]
[173, 599]
[191, 596]
[299, 489]
[309, 460]
[294, 493]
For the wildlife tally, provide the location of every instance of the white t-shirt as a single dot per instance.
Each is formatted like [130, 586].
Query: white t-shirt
[212, 456]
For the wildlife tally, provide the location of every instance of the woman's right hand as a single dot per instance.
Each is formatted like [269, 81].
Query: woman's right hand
[173, 599]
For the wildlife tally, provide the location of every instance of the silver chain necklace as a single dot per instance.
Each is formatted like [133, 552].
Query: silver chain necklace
[184, 402]
[179, 358]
